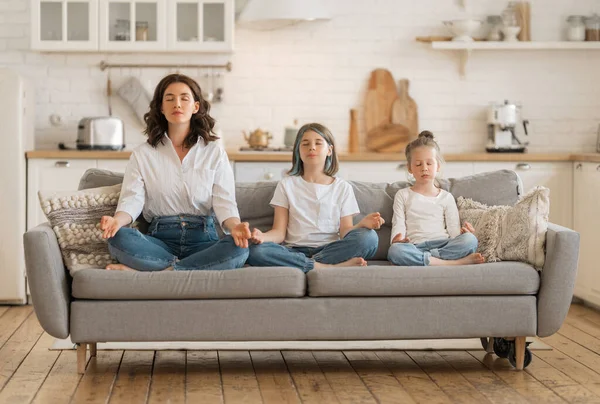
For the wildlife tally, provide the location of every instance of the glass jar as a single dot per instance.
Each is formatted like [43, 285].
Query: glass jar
[576, 28]
[141, 31]
[592, 28]
[494, 23]
[509, 15]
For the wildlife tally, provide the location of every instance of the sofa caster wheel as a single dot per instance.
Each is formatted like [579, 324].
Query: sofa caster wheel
[512, 357]
[501, 347]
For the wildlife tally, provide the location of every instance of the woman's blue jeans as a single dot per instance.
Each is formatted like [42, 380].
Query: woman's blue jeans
[407, 254]
[357, 243]
[182, 242]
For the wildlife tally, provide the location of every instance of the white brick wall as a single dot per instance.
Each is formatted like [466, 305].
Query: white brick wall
[318, 71]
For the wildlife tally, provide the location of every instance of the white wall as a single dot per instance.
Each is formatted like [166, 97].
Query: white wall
[318, 71]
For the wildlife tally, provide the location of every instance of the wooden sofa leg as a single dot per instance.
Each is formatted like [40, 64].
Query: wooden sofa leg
[520, 352]
[93, 349]
[81, 358]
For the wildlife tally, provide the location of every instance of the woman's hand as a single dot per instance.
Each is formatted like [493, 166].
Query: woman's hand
[110, 226]
[398, 239]
[241, 234]
[257, 236]
[372, 221]
[467, 228]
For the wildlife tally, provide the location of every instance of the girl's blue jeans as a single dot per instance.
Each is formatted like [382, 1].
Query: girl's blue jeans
[357, 243]
[408, 254]
[182, 242]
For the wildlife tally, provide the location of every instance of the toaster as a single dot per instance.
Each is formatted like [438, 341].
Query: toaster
[100, 133]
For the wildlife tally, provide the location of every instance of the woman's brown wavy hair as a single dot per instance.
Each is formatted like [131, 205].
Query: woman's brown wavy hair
[201, 124]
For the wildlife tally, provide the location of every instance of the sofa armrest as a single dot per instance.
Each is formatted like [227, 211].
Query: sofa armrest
[48, 280]
[557, 278]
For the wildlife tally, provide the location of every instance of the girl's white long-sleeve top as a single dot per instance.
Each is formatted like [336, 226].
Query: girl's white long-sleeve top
[422, 218]
[157, 183]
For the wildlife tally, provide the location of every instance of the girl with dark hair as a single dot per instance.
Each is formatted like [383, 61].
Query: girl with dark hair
[176, 180]
[426, 226]
[313, 213]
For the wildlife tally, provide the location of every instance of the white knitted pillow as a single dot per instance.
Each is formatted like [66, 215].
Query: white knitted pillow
[75, 218]
[510, 233]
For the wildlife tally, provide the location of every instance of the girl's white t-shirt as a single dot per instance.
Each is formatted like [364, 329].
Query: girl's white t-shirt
[423, 218]
[315, 210]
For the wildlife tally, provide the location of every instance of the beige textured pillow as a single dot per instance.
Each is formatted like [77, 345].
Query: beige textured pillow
[510, 233]
[75, 219]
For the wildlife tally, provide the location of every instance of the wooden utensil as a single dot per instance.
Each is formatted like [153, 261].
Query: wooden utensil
[353, 140]
[404, 110]
[524, 20]
[388, 136]
[381, 93]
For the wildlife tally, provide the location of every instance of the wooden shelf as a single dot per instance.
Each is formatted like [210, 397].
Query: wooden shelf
[466, 48]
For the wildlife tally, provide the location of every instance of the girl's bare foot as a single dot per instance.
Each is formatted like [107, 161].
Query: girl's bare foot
[118, 267]
[352, 262]
[470, 259]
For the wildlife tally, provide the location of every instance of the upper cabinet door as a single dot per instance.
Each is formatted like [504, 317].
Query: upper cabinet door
[133, 25]
[63, 25]
[201, 25]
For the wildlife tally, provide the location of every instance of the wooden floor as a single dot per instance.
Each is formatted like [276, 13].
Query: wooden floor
[29, 372]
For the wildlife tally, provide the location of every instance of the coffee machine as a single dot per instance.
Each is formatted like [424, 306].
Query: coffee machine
[503, 120]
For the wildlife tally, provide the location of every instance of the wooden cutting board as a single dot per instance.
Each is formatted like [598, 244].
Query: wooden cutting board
[404, 110]
[388, 138]
[353, 140]
[381, 93]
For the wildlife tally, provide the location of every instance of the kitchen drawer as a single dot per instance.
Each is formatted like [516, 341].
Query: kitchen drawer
[260, 171]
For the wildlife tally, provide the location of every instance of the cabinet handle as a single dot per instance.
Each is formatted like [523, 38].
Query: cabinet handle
[579, 166]
[64, 164]
[269, 176]
[523, 166]
[402, 166]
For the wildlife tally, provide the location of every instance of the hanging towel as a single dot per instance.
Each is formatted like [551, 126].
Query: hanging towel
[134, 93]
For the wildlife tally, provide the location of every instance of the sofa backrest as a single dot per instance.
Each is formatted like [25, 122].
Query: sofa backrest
[502, 187]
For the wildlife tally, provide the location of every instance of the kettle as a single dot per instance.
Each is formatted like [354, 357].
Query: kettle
[258, 138]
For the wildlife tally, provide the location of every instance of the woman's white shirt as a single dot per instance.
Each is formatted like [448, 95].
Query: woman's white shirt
[157, 183]
[423, 218]
[315, 210]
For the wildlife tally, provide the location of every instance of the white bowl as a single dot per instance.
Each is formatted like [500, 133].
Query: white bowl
[463, 29]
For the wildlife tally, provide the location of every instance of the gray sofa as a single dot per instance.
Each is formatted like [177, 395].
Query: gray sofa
[506, 300]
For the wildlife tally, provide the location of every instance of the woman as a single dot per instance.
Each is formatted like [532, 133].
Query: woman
[175, 180]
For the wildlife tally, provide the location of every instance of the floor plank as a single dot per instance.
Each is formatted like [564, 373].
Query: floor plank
[168, 378]
[580, 337]
[238, 378]
[578, 353]
[17, 347]
[274, 381]
[447, 378]
[12, 320]
[203, 378]
[378, 378]
[414, 380]
[31, 374]
[59, 386]
[3, 309]
[523, 383]
[485, 381]
[310, 382]
[97, 382]
[133, 380]
[346, 384]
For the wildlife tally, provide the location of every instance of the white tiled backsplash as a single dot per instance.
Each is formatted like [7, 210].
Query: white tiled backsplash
[318, 71]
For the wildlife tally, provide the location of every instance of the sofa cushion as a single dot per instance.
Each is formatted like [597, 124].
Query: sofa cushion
[95, 177]
[502, 187]
[501, 278]
[241, 283]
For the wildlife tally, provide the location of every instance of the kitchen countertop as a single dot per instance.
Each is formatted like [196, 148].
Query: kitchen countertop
[236, 155]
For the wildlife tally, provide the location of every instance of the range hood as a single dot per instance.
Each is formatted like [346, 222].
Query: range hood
[272, 14]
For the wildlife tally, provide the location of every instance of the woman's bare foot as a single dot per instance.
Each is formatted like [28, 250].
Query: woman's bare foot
[470, 259]
[352, 262]
[118, 267]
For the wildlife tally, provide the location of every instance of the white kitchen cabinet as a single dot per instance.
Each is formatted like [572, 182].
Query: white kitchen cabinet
[556, 176]
[115, 165]
[260, 171]
[586, 221]
[200, 25]
[64, 25]
[373, 171]
[51, 175]
[130, 25]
